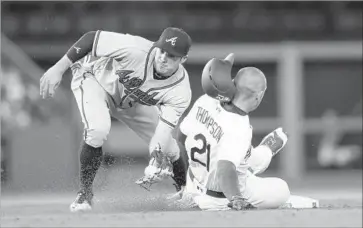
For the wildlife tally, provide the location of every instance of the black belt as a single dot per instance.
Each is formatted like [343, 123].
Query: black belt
[208, 192]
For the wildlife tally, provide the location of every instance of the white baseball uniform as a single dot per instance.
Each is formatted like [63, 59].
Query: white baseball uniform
[214, 134]
[117, 79]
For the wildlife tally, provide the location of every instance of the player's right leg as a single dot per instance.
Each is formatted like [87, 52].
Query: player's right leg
[92, 103]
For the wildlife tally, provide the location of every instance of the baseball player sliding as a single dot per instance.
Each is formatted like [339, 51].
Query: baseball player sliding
[136, 81]
[217, 136]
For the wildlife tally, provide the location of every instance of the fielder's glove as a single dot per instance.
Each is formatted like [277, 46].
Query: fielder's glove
[160, 160]
[159, 167]
[238, 203]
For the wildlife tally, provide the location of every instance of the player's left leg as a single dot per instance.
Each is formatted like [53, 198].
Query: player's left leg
[272, 192]
[92, 103]
[143, 121]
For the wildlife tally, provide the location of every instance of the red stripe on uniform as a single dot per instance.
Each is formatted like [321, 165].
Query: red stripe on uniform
[167, 122]
[82, 108]
[94, 48]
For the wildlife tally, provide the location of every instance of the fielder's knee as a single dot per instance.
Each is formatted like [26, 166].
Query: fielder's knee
[97, 136]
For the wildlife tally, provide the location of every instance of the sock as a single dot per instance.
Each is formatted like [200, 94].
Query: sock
[180, 170]
[90, 159]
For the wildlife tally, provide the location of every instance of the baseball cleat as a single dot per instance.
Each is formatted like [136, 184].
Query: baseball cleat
[276, 140]
[83, 202]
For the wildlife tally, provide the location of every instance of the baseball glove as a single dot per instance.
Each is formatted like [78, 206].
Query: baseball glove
[159, 167]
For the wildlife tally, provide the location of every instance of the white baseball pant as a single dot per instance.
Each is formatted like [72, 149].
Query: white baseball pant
[260, 192]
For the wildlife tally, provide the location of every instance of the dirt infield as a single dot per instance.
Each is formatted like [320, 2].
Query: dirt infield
[138, 208]
[154, 214]
[121, 203]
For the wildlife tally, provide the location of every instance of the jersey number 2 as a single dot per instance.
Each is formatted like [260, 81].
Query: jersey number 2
[205, 149]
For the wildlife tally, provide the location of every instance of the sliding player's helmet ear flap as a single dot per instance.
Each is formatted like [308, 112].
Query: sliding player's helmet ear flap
[217, 80]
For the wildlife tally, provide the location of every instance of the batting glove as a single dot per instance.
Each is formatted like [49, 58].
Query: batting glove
[276, 140]
[238, 203]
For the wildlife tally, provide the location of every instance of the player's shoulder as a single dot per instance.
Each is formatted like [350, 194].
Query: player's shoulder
[178, 92]
[181, 73]
[128, 40]
[239, 127]
[206, 98]
[199, 100]
[235, 124]
[206, 101]
[139, 43]
[183, 76]
[181, 81]
[242, 120]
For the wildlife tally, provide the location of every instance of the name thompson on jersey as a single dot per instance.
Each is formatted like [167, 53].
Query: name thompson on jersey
[215, 130]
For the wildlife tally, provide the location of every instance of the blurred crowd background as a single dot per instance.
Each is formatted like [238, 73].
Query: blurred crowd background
[40, 138]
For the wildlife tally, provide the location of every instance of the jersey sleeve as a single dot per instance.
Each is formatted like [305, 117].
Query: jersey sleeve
[187, 124]
[235, 146]
[116, 45]
[174, 105]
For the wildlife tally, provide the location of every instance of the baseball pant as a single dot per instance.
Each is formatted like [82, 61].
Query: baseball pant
[266, 193]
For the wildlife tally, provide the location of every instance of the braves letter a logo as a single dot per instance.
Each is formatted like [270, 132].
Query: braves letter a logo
[77, 49]
[172, 40]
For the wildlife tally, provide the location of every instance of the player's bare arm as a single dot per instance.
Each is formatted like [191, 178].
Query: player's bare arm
[180, 138]
[162, 136]
[162, 156]
[172, 108]
[228, 179]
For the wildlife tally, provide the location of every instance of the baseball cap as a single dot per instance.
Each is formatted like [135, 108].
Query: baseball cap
[175, 41]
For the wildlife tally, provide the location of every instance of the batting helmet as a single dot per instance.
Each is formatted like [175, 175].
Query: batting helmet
[217, 80]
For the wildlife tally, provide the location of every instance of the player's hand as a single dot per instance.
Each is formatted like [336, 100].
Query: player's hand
[185, 202]
[49, 82]
[275, 140]
[160, 160]
[238, 203]
[159, 167]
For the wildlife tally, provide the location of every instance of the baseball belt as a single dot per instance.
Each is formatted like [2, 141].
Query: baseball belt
[208, 192]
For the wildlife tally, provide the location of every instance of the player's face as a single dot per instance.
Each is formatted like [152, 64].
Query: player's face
[165, 63]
